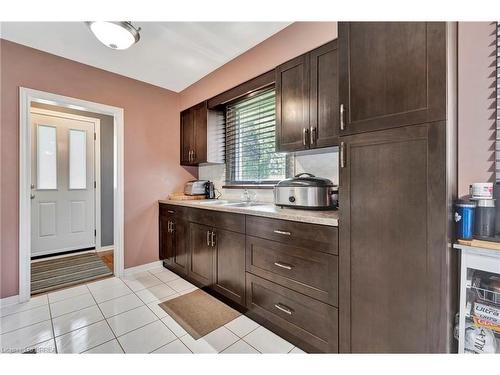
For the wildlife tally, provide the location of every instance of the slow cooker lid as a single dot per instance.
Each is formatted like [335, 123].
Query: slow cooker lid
[305, 180]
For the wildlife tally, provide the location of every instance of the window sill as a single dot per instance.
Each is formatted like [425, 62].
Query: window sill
[249, 186]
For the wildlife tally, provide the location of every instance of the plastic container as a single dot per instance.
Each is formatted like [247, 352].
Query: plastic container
[464, 219]
[481, 190]
[484, 225]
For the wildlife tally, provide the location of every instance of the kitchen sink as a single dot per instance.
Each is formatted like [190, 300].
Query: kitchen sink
[244, 204]
[214, 202]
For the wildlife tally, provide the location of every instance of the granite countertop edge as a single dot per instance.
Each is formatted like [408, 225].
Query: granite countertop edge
[329, 218]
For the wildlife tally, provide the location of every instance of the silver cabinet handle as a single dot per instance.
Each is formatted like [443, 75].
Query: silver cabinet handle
[284, 308]
[213, 239]
[304, 137]
[283, 265]
[342, 155]
[171, 212]
[312, 136]
[282, 232]
[208, 238]
[342, 121]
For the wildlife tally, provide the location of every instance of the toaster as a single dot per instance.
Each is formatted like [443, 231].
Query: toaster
[195, 187]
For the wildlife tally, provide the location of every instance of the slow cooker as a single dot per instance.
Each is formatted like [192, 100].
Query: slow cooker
[306, 191]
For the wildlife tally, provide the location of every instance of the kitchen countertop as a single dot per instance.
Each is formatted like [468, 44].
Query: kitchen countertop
[330, 218]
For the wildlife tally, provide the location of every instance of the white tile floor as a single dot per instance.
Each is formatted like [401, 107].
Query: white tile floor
[122, 315]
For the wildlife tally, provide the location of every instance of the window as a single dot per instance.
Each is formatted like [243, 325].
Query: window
[250, 141]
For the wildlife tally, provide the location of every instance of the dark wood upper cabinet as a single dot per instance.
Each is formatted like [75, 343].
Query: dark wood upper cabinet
[392, 74]
[201, 140]
[395, 265]
[187, 136]
[307, 100]
[229, 272]
[292, 105]
[324, 96]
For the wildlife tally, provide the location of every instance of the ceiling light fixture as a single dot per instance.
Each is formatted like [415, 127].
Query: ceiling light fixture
[115, 35]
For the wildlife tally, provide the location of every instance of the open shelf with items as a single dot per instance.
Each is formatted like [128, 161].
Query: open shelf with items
[479, 316]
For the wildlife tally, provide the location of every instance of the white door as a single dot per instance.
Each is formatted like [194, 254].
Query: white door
[62, 182]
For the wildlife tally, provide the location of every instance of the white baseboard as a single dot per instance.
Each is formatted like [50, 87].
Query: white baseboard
[105, 248]
[7, 301]
[143, 267]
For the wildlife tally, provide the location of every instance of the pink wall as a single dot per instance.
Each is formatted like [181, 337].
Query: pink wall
[290, 42]
[151, 146]
[476, 103]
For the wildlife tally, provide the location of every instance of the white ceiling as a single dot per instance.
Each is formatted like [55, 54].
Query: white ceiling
[172, 55]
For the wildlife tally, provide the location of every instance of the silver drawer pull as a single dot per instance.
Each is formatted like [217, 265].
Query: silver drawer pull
[282, 232]
[284, 308]
[282, 265]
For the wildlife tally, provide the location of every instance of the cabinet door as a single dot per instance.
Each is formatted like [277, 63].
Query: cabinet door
[292, 105]
[180, 260]
[201, 254]
[230, 265]
[200, 133]
[392, 74]
[394, 259]
[187, 136]
[167, 242]
[324, 99]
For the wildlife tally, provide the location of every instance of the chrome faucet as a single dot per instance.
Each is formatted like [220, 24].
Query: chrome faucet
[245, 196]
[248, 196]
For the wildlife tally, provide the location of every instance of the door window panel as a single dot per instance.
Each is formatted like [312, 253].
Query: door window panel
[46, 157]
[77, 159]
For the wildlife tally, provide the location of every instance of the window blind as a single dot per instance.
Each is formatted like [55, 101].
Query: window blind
[250, 140]
[497, 148]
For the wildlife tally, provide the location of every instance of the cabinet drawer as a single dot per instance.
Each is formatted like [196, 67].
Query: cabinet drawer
[309, 272]
[166, 210]
[312, 236]
[220, 220]
[310, 323]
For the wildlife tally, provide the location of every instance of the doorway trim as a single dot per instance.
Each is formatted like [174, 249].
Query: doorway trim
[26, 97]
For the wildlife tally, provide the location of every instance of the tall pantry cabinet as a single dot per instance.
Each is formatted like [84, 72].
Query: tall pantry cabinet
[397, 271]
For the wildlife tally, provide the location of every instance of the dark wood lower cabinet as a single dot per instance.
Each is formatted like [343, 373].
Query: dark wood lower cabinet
[167, 239]
[306, 271]
[396, 274]
[230, 265]
[311, 324]
[180, 253]
[286, 282]
[201, 254]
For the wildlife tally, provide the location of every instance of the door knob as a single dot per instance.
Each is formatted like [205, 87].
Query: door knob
[32, 196]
